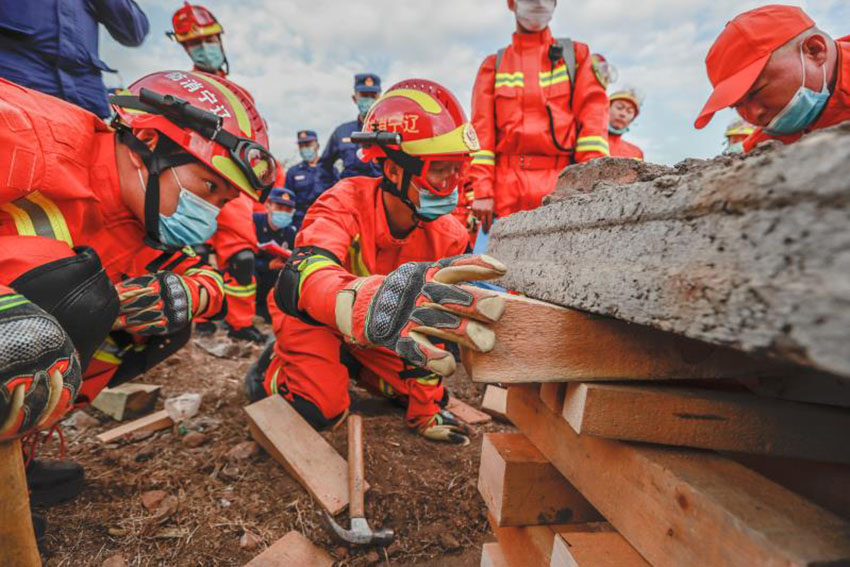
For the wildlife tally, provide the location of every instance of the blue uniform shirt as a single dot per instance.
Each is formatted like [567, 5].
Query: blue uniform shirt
[307, 182]
[52, 45]
[341, 147]
[266, 234]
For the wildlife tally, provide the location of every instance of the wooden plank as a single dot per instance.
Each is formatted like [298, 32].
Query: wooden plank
[153, 422]
[493, 556]
[825, 484]
[541, 342]
[709, 419]
[18, 547]
[594, 549]
[521, 487]
[684, 507]
[552, 394]
[467, 413]
[130, 398]
[529, 546]
[494, 402]
[305, 454]
[292, 550]
[813, 387]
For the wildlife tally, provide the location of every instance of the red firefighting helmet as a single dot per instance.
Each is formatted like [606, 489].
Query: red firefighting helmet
[209, 117]
[432, 125]
[630, 95]
[194, 22]
[739, 127]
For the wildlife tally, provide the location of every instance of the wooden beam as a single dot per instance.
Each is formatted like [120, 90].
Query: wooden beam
[305, 454]
[594, 549]
[292, 550]
[684, 507]
[467, 413]
[492, 556]
[541, 342]
[812, 387]
[494, 402]
[130, 398]
[521, 487]
[153, 422]
[709, 419]
[18, 547]
[825, 484]
[529, 546]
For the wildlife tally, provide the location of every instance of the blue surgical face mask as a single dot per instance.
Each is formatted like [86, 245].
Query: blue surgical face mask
[193, 222]
[207, 55]
[308, 153]
[281, 219]
[736, 148]
[364, 104]
[803, 108]
[617, 131]
[432, 207]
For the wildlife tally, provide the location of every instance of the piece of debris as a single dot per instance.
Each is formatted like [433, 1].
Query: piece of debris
[183, 407]
[118, 532]
[373, 557]
[194, 439]
[116, 560]
[449, 542]
[243, 451]
[128, 399]
[292, 550]
[250, 541]
[81, 421]
[467, 413]
[219, 348]
[152, 499]
[149, 423]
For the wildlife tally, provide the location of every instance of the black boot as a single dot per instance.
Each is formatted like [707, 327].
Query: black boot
[205, 328]
[51, 482]
[256, 375]
[251, 334]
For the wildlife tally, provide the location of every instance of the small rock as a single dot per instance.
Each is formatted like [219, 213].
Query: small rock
[82, 421]
[219, 348]
[166, 508]
[116, 560]
[139, 436]
[341, 552]
[243, 451]
[118, 532]
[250, 541]
[449, 542]
[372, 557]
[144, 454]
[194, 439]
[152, 499]
[225, 503]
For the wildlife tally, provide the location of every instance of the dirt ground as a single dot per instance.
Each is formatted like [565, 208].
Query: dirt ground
[425, 491]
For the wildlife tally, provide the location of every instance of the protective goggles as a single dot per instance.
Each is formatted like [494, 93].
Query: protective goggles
[441, 176]
[255, 161]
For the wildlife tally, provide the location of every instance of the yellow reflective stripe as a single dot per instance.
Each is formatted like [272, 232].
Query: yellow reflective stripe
[594, 148]
[241, 114]
[484, 153]
[483, 157]
[548, 82]
[355, 255]
[9, 301]
[219, 281]
[23, 223]
[54, 216]
[106, 357]
[109, 352]
[311, 265]
[559, 70]
[516, 75]
[593, 144]
[509, 84]
[240, 290]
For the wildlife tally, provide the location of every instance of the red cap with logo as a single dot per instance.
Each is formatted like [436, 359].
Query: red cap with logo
[742, 51]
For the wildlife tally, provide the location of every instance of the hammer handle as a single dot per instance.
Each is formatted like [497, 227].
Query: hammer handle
[17, 539]
[356, 468]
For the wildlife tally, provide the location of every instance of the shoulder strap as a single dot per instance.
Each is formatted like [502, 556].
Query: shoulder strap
[569, 51]
[499, 56]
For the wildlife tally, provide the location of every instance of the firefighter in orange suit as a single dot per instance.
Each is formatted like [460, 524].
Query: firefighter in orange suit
[98, 281]
[371, 277]
[538, 105]
[235, 243]
[625, 108]
[779, 72]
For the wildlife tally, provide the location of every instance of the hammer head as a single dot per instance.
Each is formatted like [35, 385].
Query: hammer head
[360, 532]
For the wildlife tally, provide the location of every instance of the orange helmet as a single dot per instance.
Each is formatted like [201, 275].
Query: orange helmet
[194, 22]
[213, 120]
[415, 123]
[628, 94]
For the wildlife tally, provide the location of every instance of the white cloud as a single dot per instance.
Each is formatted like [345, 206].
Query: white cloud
[298, 59]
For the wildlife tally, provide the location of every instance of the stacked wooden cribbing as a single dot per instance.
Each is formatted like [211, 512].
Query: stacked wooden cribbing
[663, 435]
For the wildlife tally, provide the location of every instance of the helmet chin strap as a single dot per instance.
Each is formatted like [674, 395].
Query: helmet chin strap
[156, 161]
[410, 166]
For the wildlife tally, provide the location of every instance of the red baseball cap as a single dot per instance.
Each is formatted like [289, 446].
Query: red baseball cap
[742, 49]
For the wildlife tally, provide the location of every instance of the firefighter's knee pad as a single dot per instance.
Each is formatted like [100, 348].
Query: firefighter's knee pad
[78, 293]
[139, 360]
[241, 266]
[313, 415]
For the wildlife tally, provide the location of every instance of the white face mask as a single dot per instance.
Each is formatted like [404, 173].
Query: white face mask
[534, 15]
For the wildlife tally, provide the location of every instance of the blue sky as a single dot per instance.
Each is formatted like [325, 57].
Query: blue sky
[298, 58]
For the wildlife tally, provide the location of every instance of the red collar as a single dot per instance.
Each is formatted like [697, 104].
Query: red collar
[528, 40]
